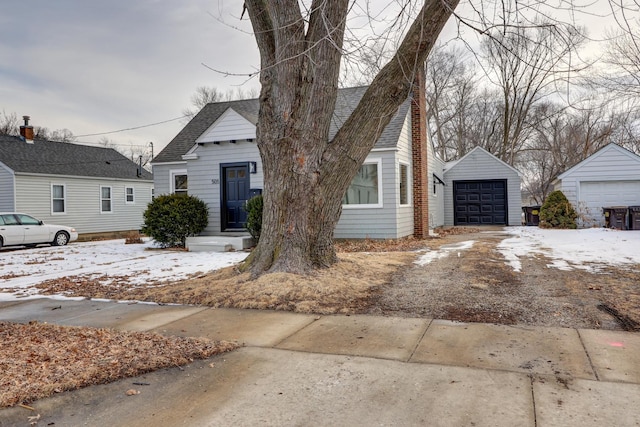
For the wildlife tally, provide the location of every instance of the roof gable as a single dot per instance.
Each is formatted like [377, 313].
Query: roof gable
[608, 149]
[230, 126]
[62, 158]
[207, 125]
[457, 163]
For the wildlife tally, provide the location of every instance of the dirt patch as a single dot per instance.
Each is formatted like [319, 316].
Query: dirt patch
[38, 359]
[476, 285]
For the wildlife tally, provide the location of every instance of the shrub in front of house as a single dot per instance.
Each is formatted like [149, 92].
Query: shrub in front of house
[557, 212]
[170, 219]
[253, 207]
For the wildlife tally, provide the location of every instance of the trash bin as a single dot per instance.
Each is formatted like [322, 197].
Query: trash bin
[531, 215]
[615, 217]
[634, 217]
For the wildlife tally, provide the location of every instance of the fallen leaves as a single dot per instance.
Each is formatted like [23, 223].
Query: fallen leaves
[39, 359]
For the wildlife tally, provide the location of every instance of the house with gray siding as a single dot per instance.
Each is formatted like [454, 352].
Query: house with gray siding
[608, 178]
[93, 189]
[215, 158]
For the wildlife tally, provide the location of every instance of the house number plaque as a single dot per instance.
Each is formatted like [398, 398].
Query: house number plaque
[215, 181]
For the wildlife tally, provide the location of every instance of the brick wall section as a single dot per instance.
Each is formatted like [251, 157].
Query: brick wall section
[419, 155]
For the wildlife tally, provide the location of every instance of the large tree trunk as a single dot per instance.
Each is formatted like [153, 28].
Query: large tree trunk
[305, 174]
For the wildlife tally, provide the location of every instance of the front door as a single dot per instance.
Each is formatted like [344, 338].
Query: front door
[235, 185]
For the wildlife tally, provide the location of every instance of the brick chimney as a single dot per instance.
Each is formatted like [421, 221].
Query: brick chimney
[26, 131]
[419, 155]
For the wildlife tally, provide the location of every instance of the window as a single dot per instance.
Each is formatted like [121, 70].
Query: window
[404, 184]
[58, 199]
[179, 182]
[129, 195]
[365, 189]
[105, 200]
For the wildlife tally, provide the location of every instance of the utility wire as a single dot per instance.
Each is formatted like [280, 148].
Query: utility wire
[133, 128]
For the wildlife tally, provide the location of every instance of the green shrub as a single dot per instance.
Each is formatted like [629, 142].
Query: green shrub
[557, 212]
[170, 219]
[253, 207]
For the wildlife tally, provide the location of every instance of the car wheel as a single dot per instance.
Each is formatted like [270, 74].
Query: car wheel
[61, 239]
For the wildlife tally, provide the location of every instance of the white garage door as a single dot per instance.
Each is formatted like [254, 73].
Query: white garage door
[596, 195]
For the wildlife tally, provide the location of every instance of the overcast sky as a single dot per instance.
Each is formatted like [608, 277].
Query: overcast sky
[95, 67]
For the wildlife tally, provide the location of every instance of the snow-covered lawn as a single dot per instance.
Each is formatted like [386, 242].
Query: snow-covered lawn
[20, 270]
[587, 249]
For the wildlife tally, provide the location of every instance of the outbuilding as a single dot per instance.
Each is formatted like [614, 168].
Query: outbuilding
[608, 178]
[481, 189]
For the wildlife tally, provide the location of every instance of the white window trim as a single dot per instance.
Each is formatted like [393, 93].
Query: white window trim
[64, 198]
[172, 181]
[110, 199]
[376, 161]
[133, 194]
[409, 177]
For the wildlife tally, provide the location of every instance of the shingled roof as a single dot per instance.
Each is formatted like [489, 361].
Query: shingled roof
[61, 158]
[346, 102]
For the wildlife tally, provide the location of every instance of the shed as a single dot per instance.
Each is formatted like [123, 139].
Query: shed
[481, 189]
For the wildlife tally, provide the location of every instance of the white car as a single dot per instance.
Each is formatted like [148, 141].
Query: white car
[17, 229]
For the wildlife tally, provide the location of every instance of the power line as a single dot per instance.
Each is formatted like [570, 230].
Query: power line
[133, 128]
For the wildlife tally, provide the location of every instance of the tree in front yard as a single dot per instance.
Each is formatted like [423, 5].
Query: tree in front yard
[305, 173]
[170, 219]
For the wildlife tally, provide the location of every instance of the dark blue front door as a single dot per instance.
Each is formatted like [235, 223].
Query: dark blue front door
[235, 184]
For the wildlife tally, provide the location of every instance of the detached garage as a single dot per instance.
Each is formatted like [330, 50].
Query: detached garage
[481, 189]
[609, 177]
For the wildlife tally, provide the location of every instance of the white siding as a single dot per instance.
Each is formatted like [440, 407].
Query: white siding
[478, 165]
[612, 166]
[162, 178]
[229, 126]
[378, 222]
[204, 175]
[436, 201]
[83, 202]
[7, 189]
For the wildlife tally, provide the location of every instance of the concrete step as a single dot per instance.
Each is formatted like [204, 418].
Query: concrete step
[218, 243]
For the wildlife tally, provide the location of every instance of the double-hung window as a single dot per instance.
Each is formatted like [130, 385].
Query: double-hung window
[58, 199]
[129, 196]
[105, 200]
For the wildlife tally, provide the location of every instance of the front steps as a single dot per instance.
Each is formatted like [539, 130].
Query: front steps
[220, 243]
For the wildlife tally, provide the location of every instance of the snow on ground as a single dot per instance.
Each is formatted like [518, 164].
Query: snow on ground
[444, 251]
[24, 268]
[588, 249]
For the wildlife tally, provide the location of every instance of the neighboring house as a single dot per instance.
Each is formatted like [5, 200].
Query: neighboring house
[94, 190]
[481, 189]
[609, 177]
[399, 191]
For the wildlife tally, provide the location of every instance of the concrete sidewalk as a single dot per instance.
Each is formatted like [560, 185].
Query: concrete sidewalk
[311, 370]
